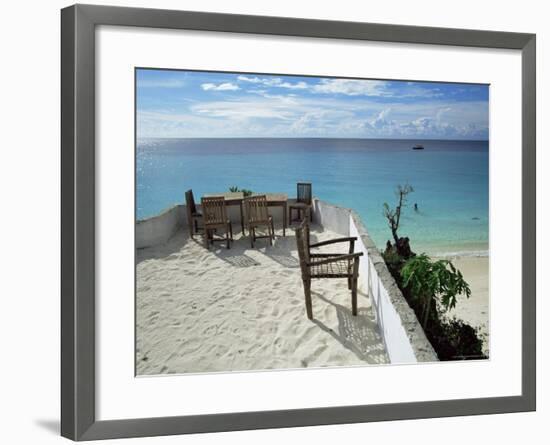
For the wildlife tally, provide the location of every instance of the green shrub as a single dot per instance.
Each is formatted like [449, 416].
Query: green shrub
[433, 283]
[236, 189]
[456, 340]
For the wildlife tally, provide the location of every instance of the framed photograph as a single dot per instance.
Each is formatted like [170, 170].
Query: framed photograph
[273, 222]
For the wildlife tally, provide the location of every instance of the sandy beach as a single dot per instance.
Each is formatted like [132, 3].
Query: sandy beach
[474, 310]
[242, 309]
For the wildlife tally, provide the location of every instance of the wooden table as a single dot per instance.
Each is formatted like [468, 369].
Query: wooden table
[237, 198]
[278, 200]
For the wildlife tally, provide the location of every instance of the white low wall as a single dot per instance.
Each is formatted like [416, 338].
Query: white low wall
[400, 330]
[158, 229]
[403, 335]
[330, 216]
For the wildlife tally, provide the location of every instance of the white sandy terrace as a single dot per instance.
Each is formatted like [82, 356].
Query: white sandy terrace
[214, 310]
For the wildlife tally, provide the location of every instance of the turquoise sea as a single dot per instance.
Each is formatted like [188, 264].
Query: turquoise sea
[450, 180]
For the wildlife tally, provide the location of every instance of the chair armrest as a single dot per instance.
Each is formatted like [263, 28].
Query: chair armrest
[349, 256]
[335, 240]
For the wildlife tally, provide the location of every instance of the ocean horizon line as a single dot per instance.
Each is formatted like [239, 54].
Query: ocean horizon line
[305, 137]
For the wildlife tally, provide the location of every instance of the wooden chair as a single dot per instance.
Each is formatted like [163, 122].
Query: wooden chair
[257, 216]
[303, 202]
[192, 214]
[326, 265]
[214, 215]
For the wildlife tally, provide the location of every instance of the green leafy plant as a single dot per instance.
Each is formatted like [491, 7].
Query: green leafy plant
[245, 192]
[433, 281]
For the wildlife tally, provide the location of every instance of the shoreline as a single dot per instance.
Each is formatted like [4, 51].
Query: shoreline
[470, 249]
[474, 310]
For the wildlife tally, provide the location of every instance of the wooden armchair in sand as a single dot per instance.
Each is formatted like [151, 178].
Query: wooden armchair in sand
[257, 216]
[303, 202]
[214, 215]
[326, 265]
[193, 216]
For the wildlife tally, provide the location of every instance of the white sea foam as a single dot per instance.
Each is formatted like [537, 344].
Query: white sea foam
[462, 253]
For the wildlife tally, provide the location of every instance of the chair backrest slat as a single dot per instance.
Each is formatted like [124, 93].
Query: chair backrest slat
[302, 242]
[214, 210]
[303, 193]
[256, 208]
[190, 201]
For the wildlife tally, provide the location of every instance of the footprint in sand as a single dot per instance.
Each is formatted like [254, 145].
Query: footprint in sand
[307, 336]
[316, 353]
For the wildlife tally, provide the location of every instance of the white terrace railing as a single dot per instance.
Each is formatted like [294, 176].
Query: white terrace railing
[400, 330]
[403, 335]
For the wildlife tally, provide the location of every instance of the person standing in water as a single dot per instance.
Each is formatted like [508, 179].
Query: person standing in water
[415, 207]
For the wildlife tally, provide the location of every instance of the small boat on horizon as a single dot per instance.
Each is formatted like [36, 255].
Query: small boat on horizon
[418, 147]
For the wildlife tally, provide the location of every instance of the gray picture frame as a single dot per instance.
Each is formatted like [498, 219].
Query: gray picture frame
[78, 23]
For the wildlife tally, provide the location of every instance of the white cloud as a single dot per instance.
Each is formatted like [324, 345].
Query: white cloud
[271, 115]
[352, 87]
[261, 92]
[289, 99]
[373, 88]
[242, 110]
[322, 122]
[347, 87]
[429, 126]
[274, 82]
[293, 86]
[249, 79]
[381, 121]
[440, 113]
[226, 86]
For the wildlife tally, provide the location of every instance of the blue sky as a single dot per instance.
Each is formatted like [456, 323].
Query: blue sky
[210, 104]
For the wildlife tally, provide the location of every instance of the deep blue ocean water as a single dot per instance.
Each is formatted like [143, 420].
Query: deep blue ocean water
[450, 180]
